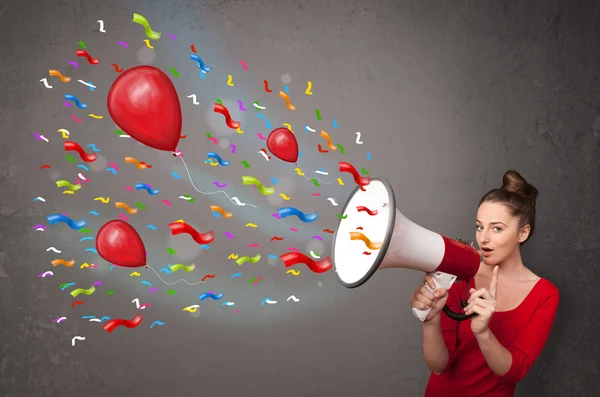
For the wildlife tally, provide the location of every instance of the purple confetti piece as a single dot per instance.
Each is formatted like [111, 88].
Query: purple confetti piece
[276, 215]
[229, 235]
[233, 148]
[37, 136]
[39, 225]
[318, 238]
[67, 104]
[172, 36]
[151, 290]
[75, 64]
[124, 44]
[241, 106]
[97, 283]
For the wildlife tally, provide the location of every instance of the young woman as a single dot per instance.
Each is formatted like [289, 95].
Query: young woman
[513, 308]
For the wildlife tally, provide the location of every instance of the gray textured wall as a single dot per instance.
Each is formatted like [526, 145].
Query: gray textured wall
[447, 95]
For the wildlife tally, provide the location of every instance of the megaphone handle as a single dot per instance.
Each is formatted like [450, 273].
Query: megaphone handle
[441, 280]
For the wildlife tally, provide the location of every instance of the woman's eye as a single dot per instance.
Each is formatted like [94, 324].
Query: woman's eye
[498, 229]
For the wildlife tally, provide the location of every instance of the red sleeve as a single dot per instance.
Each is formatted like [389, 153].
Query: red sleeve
[450, 327]
[528, 346]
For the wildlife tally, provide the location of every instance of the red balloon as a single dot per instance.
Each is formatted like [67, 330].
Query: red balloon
[120, 244]
[283, 144]
[143, 102]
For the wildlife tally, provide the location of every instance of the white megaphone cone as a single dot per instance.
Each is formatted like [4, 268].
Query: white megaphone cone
[373, 233]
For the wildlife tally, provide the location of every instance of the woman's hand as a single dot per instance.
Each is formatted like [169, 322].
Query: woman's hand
[482, 302]
[423, 299]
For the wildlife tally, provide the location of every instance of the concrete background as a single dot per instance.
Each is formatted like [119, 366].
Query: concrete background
[447, 96]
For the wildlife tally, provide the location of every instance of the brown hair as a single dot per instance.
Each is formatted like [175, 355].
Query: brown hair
[518, 196]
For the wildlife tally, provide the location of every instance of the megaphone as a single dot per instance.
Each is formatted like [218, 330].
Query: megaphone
[373, 233]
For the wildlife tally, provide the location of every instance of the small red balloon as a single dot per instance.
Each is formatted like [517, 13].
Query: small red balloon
[119, 243]
[283, 144]
[143, 102]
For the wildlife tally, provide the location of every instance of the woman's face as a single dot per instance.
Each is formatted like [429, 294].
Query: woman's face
[497, 232]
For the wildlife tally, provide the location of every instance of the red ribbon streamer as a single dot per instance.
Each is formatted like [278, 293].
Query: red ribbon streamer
[360, 180]
[87, 157]
[182, 227]
[223, 110]
[293, 258]
[112, 324]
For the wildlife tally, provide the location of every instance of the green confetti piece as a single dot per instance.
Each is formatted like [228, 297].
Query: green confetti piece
[342, 216]
[151, 34]
[245, 164]
[84, 230]
[119, 132]
[171, 251]
[364, 171]
[245, 259]
[174, 71]
[171, 292]
[342, 151]
[140, 205]
[208, 135]
[318, 114]
[314, 180]
[251, 280]
[82, 44]
[111, 292]
[71, 159]
[219, 101]
[191, 199]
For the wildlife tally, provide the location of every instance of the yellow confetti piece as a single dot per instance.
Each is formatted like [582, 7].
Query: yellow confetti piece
[180, 221]
[104, 200]
[68, 192]
[148, 43]
[65, 133]
[251, 225]
[95, 116]
[294, 272]
[283, 196]
[289, 127]
[230, 80]
[191, 309]
[234, 256]
[340, 181]
[299, 171]
[308, 88]
[239, 131]
[134, 274]
[84, 266]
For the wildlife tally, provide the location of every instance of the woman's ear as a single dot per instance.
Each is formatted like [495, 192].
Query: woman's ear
[524, 233]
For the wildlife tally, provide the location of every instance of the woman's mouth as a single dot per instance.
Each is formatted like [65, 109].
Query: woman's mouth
[486, 252]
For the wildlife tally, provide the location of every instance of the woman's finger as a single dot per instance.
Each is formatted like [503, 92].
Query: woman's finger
[474, 303]
[481, 311]
[419, 305]
[426, 293]
[485, 304]
[481, 292]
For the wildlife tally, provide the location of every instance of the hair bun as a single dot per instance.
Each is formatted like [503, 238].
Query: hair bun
[513, 182]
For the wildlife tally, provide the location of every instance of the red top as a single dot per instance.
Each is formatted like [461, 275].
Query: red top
[523, 331]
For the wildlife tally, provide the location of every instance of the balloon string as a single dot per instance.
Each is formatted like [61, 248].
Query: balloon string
[310, 179]
[234, 200]
[157, 275]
